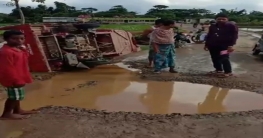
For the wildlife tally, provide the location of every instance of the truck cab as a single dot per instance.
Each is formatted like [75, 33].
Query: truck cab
[258, 46]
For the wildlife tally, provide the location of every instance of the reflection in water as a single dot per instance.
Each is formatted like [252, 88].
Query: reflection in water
[213, 101]
[157, 98]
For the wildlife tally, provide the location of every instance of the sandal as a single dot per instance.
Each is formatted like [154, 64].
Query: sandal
[225, 75]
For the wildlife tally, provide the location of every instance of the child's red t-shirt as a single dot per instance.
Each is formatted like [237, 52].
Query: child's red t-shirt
[14, 70]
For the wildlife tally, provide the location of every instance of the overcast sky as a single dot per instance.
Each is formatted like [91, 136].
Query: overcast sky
[141, 6]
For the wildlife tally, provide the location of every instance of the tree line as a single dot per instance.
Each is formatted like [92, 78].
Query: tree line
[35, 14]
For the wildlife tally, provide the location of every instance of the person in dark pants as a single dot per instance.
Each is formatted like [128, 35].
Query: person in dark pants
[220, 40]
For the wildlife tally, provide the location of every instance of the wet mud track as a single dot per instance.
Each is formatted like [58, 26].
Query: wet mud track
[193, 63]
[247, 72]
[63, 122]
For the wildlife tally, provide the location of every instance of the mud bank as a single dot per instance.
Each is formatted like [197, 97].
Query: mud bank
[100, 124]
[103, 113]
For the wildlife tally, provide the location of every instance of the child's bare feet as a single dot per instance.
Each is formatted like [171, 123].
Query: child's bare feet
[23, 112]
[13, 117]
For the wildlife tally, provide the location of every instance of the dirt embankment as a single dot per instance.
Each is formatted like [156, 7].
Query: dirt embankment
[66, 122]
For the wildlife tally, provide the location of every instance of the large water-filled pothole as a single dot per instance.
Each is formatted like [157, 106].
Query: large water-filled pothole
[113, 88]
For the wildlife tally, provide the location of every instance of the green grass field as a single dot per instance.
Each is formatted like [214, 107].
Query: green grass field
[3, 24]
[102, 18]
[126, 27]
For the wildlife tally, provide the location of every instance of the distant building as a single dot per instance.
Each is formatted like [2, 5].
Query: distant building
[117, 20]
[205, 20]
[191, 21]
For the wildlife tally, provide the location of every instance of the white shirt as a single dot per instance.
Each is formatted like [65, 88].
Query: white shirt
[150, 34]
[2, 44]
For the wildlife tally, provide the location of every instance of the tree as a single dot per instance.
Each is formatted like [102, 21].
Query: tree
[160, 11]
[35, 14]
[16, 4]
[118, 10]
[89, 10]
[132, 14]
[160, 7]
[237, 15]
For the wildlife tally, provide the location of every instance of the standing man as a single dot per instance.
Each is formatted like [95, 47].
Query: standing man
[220, 40]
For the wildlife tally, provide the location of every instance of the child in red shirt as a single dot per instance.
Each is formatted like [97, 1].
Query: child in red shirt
[14, 74]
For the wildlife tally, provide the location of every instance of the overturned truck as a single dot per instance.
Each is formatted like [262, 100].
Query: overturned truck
[54, 47]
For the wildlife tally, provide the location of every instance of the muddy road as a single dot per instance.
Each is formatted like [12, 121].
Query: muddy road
[131, 101]
[193, 63]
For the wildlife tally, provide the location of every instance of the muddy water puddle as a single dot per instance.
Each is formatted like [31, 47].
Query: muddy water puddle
[12, 128]
[116, 89]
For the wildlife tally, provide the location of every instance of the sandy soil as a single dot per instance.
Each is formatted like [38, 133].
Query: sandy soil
[193, 63]
[63, 122]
